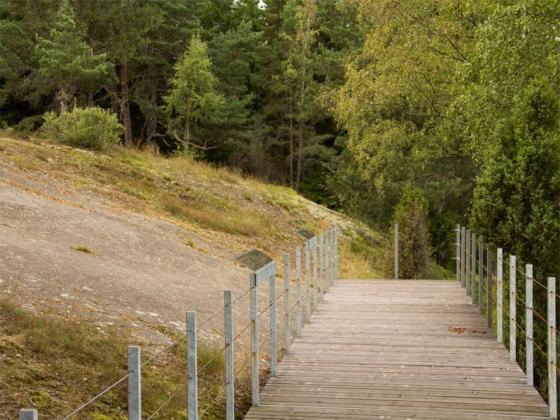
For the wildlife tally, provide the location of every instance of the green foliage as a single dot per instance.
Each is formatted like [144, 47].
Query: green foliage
[411, 214]
[66, 59]
[92, 128]
[193, 97]
[516, 202]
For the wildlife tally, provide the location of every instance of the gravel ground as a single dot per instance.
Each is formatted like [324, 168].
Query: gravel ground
[75, 254]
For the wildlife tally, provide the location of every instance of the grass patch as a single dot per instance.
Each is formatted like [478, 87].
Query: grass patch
[55, 365]
[234, 220]
[83, 249]
[360, 259]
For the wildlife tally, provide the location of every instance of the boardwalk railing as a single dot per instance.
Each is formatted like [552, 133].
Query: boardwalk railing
[480, 270]
[312, 280]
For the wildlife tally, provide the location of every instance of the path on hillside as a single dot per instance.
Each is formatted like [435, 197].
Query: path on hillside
[399, 350]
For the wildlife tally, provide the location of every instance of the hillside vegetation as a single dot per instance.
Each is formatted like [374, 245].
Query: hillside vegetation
[55, 353]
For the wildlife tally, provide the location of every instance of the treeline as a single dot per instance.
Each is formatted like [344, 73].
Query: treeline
[456, 103]
[444, 110]
[236, 82]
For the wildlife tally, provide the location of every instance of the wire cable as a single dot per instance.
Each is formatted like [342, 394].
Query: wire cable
[110, 387]
[166, 402]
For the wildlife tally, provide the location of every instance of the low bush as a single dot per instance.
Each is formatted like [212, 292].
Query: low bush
[91, 128]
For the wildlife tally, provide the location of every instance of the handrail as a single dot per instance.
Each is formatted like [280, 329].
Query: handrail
[470, 269]
[317, 274]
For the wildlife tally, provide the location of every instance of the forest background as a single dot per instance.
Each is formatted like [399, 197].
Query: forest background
[424, 112]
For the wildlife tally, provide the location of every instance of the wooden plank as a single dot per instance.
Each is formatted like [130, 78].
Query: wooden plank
[399, 350]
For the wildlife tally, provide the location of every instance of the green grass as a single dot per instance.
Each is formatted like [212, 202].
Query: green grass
[56, 364]
[83, 249]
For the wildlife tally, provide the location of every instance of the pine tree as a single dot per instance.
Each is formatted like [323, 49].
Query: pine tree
[194, 98]
[67, 60]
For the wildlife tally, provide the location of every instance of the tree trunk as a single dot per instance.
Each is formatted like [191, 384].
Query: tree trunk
[299, 174]
[151, 118]
[125, 104]
[188, 130]
[291, 123]
[62, 100]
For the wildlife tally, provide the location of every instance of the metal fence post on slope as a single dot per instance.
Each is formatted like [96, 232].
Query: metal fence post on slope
[335, 253]
[458, 253]
[529, 323]
[322, 266]
[473, 268]
[134, 383]
[468, 261]
[287, 317]
[307, 281]
[480, 296]
[329, 259]
[500, 295]
[315, 272]
[192, 369]
[489, 287]
[298, 292]
[396, 251]
[463, 256]
[319, 290]
[254, 343]
[273, 327]
[228, 341]
[512, 309]
[28, 414]
[551, 341]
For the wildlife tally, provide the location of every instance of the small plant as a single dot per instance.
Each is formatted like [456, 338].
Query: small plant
[92, 128]
[83, 249]
[411, 214]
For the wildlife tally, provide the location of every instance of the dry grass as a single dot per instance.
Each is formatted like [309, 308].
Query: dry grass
[55, 365]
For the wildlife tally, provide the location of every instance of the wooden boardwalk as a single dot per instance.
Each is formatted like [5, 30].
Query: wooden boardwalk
[406, 349]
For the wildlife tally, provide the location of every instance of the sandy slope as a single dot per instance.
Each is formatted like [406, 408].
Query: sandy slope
[140, 272]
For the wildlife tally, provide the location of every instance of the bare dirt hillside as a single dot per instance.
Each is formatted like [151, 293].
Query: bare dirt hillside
[134, 239]
[100, 251]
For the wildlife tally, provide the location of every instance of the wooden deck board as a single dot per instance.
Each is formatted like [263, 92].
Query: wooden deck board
[398, 350]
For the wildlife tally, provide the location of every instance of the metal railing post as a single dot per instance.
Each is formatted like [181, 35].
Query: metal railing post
[322, 266]
[529, 323]
[192, 369]
[489, 287]
[396, 251]
[512, 309]
[298, 292]
[480, 294]
[473, 268]
[500, 295]
[458, 253]
[551, 341]
[463, 256]
[28, 414]
[307, 282]
[287, 315]
[255, 381]
[315, 273]
[335, 253]
[134, 383]
[228, 339]
[468, 262]
[273, 327]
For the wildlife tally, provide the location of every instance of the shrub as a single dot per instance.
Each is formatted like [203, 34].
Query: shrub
[92, 128]
[411, 215]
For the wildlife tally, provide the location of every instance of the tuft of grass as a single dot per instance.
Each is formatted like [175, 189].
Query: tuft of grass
[83, 249]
